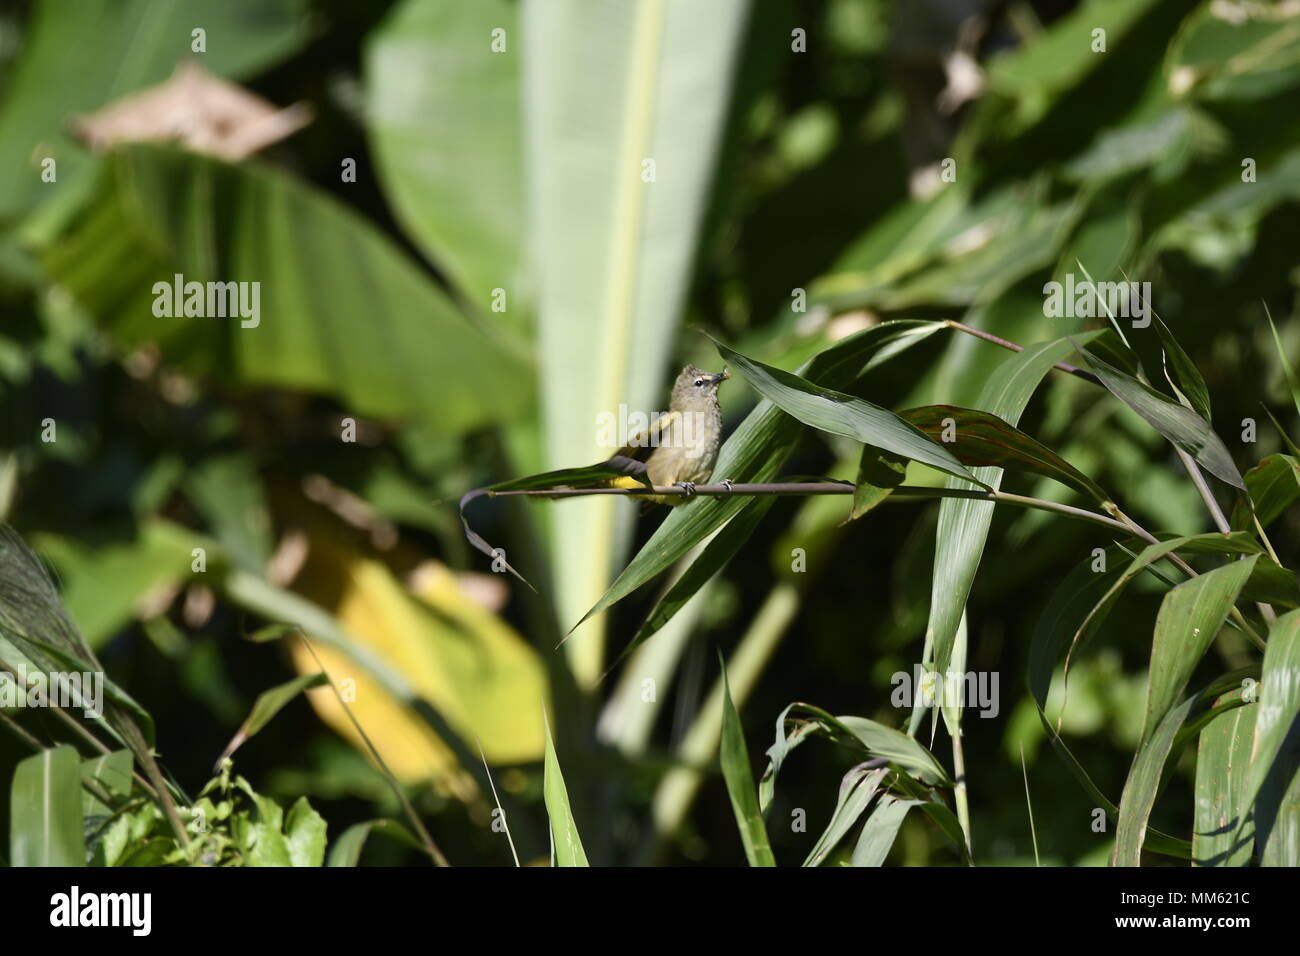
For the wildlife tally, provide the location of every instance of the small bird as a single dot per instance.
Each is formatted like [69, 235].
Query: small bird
[681, 446]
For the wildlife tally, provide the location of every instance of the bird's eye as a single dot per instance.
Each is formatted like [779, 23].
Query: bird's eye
[699, 381]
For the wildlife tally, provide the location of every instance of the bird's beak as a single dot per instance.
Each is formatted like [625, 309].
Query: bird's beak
[721, 376]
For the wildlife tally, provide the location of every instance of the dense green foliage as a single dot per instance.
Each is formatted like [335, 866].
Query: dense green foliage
[506, 219]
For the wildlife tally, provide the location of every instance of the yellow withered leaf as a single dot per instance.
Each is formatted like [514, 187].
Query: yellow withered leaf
[475, 670]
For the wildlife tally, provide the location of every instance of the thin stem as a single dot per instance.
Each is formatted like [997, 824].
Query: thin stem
[1003, 343]
[959, 792]
[1198, 480]
[833, 488]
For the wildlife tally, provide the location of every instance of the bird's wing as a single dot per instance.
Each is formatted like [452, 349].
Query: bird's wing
[640, 445]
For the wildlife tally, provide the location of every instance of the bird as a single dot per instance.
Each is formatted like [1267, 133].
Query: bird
[681, 446]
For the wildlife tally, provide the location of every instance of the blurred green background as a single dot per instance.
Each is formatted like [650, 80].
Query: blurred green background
[503, 266]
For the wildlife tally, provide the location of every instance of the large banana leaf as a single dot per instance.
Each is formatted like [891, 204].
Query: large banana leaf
[80, 54]
[444, 117]
[341, 309]
[611, 87]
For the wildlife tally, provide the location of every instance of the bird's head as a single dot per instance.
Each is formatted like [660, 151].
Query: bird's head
[695, 387]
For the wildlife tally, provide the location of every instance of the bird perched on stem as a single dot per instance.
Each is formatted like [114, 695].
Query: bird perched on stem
[681, 445]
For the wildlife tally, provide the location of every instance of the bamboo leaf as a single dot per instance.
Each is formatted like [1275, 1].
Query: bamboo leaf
[985, 439]
[716, 555]
[1140, 788]
[268, 704]
[963, 525]
[857, 789]
[1190, 617]
[1272, 485]
[1222, 758]
[841, 414]
[879, 473]
[564, 831]
[734, 757]
[1182, 371]
[1068, 606]
[1180, 425]
[881, 829]
[1275, 753]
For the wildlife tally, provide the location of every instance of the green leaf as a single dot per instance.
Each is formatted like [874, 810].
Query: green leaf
[112, 771]
[1287, 370]
[603, 91]
[756, 451]
[319, 265]
[45, 810]
[1180, 425]
[879, 473]
[346, 850]
[963, 525]
[740, 785]
[716, 555]
[1182, 372]
[857, 789]
[1273, 485]
[842, 414]
[565, 841]
[1211, 543]
[1275, 754]
[985, 439]
[268, 704]
[119, 46]
[1069, 604]
[881, 829]
[304, 831]
[432, 78]
[1222, 758]
[1190, 617]
[1140, 788]
[866, 736]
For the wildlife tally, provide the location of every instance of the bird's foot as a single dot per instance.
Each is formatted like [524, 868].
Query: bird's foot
[727, 483]
[688, 488]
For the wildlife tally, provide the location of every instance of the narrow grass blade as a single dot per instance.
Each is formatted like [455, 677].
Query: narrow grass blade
[1190, 617]
[564, 831]
[1273, 486]
[268, 704]
[346, 850]
[1287, 370]
[963, 525]
[1180, 425]
[1276, 749]
[734, 757]
[716, 555]
[1143, 781]
[1222, 759]
[1069, 605]
[881, 829]
[857, 789]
